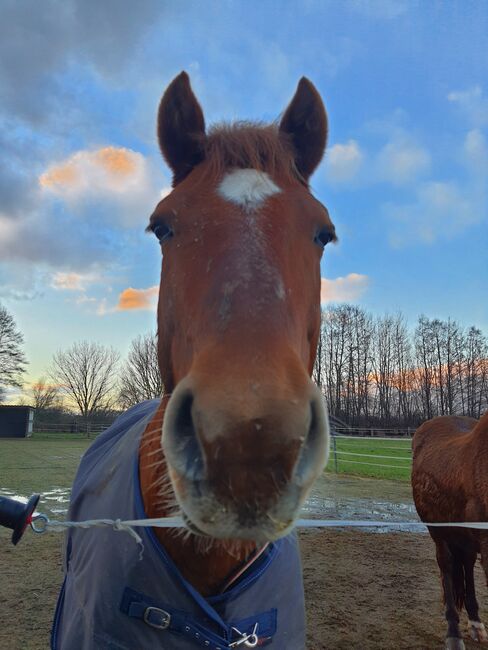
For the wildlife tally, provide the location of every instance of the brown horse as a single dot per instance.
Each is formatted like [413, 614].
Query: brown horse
[450, 483]
[241, 433]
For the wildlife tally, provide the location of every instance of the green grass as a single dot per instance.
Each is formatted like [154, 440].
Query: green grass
[397, 451]
[49, 461]
[35, 465]
[62, 435]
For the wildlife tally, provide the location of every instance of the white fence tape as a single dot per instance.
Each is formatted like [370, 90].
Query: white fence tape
[371, 438]
[42, 524]
[360, 462]
[352, 453]
[338, 454]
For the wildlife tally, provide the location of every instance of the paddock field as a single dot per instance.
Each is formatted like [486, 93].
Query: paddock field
[364, 590]
[376, 457]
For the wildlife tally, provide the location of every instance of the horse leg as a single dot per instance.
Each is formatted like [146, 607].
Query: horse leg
[449, 572]
[483, 539]
[476, 628]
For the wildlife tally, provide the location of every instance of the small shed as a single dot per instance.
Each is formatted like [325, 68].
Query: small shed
[16, 421]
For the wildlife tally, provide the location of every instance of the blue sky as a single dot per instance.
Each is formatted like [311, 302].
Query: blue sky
[405, 175]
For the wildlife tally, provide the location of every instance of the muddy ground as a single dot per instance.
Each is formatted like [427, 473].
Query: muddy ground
[364, 590]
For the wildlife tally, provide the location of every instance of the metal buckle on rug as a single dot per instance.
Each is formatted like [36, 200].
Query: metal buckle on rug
[160, 618]
[247, 640]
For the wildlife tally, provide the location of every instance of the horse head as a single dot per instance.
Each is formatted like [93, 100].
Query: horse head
[245, 430]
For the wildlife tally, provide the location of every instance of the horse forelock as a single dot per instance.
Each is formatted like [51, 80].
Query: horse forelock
[251, 145]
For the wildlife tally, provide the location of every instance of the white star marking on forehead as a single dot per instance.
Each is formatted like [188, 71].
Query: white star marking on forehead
[248, 188]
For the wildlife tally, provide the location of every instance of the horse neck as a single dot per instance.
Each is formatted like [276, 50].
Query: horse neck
[205, 564]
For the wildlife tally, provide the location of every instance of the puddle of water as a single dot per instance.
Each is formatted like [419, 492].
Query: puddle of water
[12, 495]
[50, 503]
[337, 497]
[61, 495]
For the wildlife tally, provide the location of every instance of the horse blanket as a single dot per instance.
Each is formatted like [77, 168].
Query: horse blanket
[112, 599]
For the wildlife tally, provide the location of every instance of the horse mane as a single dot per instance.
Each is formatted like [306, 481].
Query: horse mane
[251, 145]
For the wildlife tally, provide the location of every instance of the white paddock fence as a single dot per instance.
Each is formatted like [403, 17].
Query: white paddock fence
[358, 450]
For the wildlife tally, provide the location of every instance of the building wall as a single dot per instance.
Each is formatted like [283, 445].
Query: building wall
[16, 421]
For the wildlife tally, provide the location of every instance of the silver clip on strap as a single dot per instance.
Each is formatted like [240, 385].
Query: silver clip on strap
[247, 640]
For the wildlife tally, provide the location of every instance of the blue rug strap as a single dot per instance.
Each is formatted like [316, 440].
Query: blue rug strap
[169, 620]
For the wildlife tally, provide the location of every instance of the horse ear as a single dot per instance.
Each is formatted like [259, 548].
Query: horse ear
[305, 122]
[181, 128]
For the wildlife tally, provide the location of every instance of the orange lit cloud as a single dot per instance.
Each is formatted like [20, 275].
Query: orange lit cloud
[131, 299]
[119, 179]
[117, 161]
[108, 169]
[346, 289]
[72, 281]
[62, 175]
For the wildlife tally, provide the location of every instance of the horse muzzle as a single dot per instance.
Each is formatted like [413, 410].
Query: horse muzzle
[243, 469]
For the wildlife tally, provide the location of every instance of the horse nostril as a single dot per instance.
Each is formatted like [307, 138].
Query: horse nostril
[315, 445]
[181, 444]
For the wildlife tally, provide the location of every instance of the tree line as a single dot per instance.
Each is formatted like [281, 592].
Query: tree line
[372, 370]
[375, 370]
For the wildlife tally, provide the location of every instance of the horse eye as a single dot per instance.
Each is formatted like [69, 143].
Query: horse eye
[162, 232]
[323, 237]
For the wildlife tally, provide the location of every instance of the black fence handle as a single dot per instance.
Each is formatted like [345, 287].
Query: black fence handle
[17, 515]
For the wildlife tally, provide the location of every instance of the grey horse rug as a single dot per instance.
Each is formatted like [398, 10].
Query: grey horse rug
[112, 599]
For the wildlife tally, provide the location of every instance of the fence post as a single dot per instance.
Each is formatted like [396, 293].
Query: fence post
[334, 448]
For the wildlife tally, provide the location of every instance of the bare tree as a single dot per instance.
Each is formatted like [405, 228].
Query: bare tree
[346, 342]
[475, 374]
[406, 396]
[140, 378]
[318, 368]
[87, 373]
[45, 396]
[425, 361]
[12, 359]
[384, 369]
[334, 339]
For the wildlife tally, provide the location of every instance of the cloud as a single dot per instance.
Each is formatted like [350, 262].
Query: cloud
[38, 42]
[380, 9]
[109, 169]
[473, 104]
[401, 161]
[111, 174]
[476, 151]
[441, 210]
[132, 299]
[75, 227]
[343, 161]
[43, 238]
[71, 281]
[18, 190]
[343, 289]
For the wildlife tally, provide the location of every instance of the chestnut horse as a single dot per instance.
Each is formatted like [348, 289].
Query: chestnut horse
[450, 483]
[241, 432]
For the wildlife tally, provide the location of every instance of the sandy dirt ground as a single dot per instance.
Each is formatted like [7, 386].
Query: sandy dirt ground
[363, 591]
